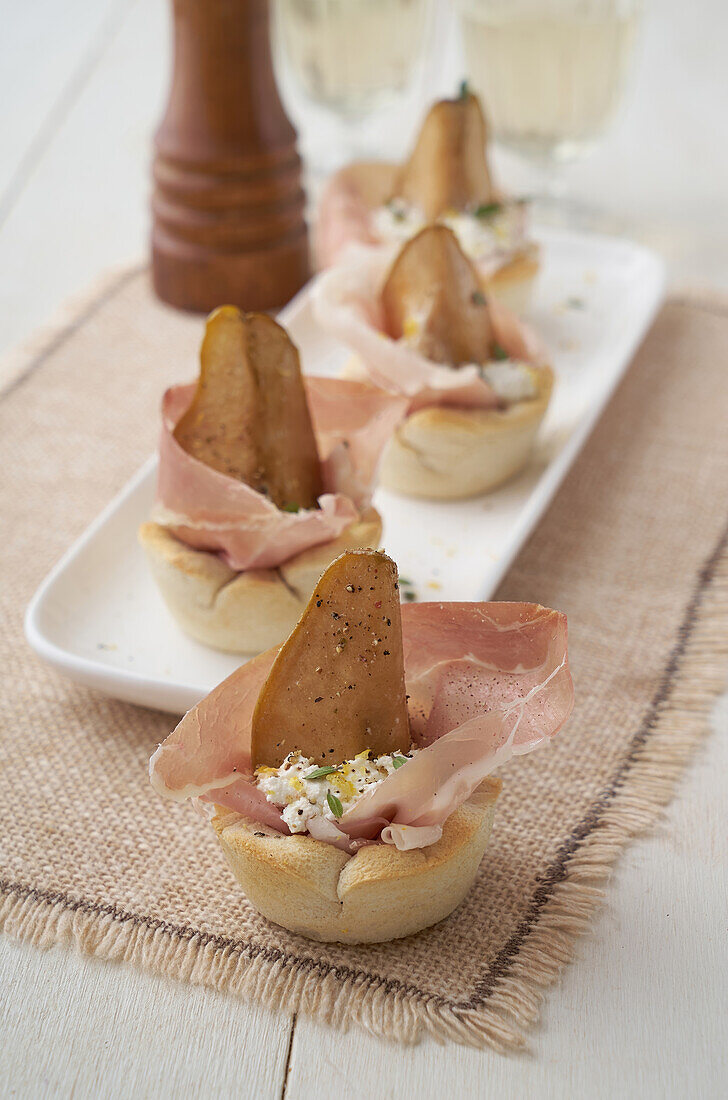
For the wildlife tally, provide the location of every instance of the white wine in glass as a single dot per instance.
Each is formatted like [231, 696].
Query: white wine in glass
[550, 72]
[348, 62]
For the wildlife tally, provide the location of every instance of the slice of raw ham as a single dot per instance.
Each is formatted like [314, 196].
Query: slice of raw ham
[343, 217]
[347, 304]
[249, 801]
[352, 422]
[210, 511]
[210, 748]
[487, 681]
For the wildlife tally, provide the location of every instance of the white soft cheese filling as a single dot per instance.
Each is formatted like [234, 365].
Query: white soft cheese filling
[511, 380]
[301, 798]
[491, 236]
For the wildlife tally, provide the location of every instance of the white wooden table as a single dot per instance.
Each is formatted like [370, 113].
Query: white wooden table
[644, 1010]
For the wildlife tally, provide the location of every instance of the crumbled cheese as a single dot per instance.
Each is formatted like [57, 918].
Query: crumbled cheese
[511, 379]
[300, 798]
[489, 239]
[397, 221]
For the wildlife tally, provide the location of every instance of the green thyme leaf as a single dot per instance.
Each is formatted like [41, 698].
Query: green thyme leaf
[395, 210]
[488, 209]
[398, 761]
[320, 773]
[407, 589]
[498, 351]
[478, 298]
[334, 804]
[464, 90]
[575, 303]
[290, 508]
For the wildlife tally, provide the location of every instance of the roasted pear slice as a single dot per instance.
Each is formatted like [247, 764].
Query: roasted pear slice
[447, 169]
[337, 685]
[432, 296]
[220, 428]
[249, 418]
[288, 446]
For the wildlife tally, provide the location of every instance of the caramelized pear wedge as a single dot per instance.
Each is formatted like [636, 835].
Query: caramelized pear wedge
[337, 685]
[432, 296]
[249, 418]
[447, 169]
[219, 427]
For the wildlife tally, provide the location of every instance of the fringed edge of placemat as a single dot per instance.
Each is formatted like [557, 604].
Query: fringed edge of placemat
[676, 722]
[564, 905]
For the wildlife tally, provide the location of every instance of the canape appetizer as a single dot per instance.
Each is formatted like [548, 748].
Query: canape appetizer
[474, 377]
[446, 179]
[264, 478]
[348, 773]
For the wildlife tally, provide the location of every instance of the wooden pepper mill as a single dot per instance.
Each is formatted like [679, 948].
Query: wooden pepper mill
[228, 222]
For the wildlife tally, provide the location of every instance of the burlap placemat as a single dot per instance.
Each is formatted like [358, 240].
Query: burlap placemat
[633, 549]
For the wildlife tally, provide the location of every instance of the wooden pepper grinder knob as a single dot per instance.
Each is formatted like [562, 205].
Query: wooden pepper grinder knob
[228, 221]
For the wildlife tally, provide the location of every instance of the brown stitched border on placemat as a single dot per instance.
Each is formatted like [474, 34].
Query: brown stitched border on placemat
[563, 891]
[555, 873]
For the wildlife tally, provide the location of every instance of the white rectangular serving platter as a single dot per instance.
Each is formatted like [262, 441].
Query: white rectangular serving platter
[99, 618]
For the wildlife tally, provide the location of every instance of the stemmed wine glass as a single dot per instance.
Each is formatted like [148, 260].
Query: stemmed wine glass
[344, 67]
[551, 74]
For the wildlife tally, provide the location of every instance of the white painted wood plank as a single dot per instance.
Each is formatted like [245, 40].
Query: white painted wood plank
[641, 1014]
[80, 1027]
[86, 206]
[47, 50]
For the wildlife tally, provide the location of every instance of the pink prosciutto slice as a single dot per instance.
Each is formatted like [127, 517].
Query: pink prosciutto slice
[347, 303]
[210, 511]
[344, 217]
[486, 681]
[352, 422]
[210, 748]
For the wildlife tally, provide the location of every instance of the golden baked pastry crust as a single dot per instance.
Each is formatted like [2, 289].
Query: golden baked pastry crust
[444, 453]
[243, 612]
[378, 894]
